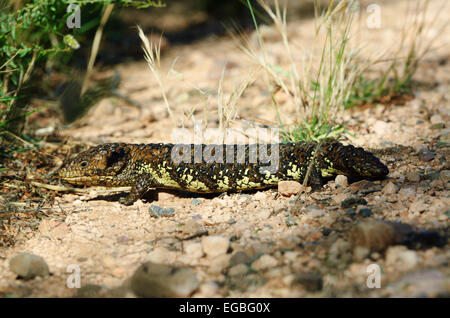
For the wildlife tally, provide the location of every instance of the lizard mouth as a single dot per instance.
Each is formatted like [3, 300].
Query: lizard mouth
[83, 180]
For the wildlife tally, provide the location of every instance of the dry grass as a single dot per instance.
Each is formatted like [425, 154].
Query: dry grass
[320, 81]
[332, 75]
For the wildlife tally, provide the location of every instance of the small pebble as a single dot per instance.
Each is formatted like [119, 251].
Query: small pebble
[353, 201]
[290, 221]
[314, 211]
[341, 181]
[240, 257]
[390, 188]
[401, 257]
[289, 188]
[429, 283]
[91, 291]
[231, 221]
[208, 289]
[418, 207]
[444, 175]
[160, 280]
[196, 201]
[264, 262]
[436, 119]
[360, 253]
[157, 211]
[237, 270]
[412, 176]
[365, 212]
[193, 249]
[28, 266]
[215, 245]
[312, 281]
[426, 156]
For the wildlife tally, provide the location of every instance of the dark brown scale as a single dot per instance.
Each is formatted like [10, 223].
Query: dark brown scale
[151, 166]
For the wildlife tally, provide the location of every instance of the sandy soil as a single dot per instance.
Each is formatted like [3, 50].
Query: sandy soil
[293, 247]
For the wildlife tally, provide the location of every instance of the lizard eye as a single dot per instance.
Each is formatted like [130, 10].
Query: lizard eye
[83, 164]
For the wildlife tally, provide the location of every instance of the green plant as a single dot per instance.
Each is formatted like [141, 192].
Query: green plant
[32, 33]
[320, 90]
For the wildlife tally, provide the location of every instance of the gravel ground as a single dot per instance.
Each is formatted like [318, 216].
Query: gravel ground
[327, 243]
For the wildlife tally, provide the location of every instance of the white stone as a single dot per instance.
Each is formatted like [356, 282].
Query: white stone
[390, 188]
[215, 245]
[289, 188]
[341, 181]
[193, 249]
[264, 262]
[401, 257]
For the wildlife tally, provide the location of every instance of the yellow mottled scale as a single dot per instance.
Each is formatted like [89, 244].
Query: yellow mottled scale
[161, 177]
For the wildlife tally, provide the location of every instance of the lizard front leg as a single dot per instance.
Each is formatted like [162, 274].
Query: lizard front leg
[141, 186]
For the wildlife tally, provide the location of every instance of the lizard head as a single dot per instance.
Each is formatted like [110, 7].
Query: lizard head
[95, 166]
[351, 161]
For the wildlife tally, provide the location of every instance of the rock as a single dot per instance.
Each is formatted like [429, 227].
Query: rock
[193, 249]
[215, 245]
[264, 262]
[444, 175]
[312, 281]
[291, 221]
[208, 289]
[314, 211]
[338, 198]
[265, 213]
[196, 201]
[123, 239]
[352, 202]
[365, 212]
[407, 191]
[390, 188]
[418, 207]
[426, 155]
[339, 253]
[159, 255]
[91, 291]
[360, 253]
[351, 212]
[420, 147]
[240, 257]
[382, 129]
[412, 176]
[364, 187]
[218, 264]
[438, 126]
[436, 119]
[341, 181]
[159, 280]
[378, 235]
[28, 266]
[402, 258]
[289, 188]
[157, 211]
[429, 283]
[237, 270]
